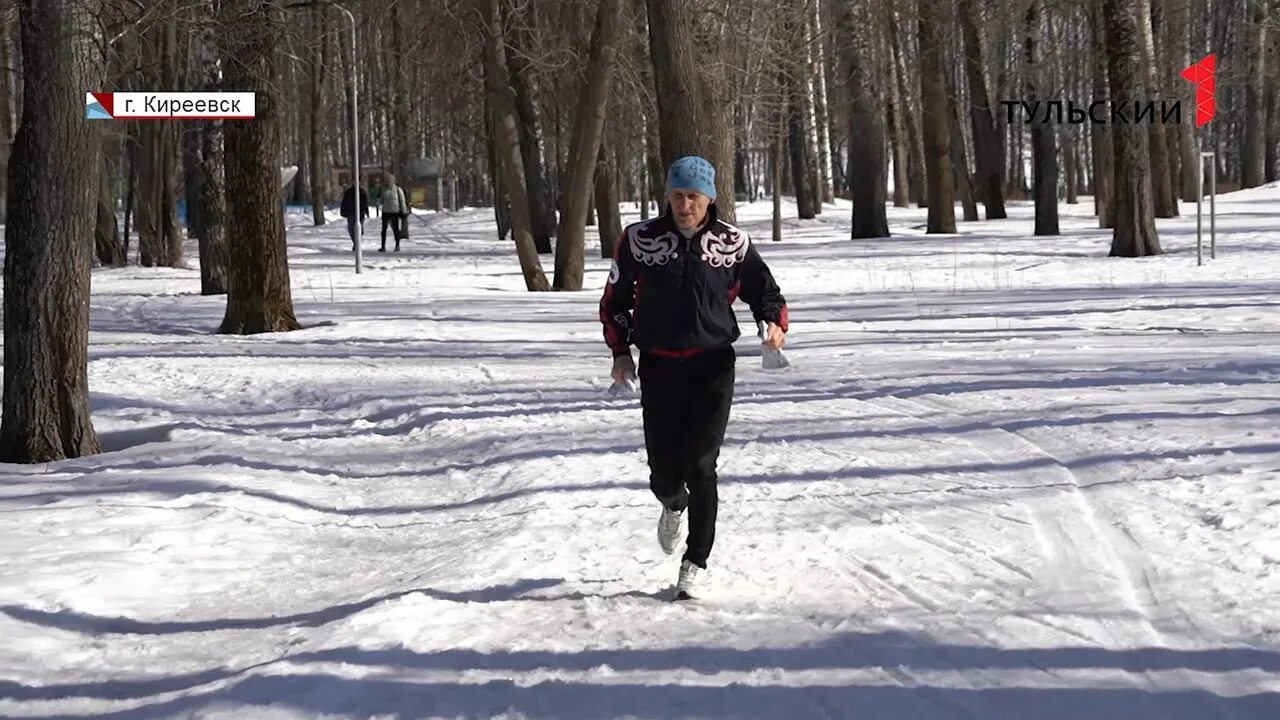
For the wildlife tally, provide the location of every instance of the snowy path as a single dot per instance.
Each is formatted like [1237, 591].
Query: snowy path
[1005, 478]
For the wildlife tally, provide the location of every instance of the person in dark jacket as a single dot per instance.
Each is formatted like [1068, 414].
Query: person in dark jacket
[349, 211]
[670, 292]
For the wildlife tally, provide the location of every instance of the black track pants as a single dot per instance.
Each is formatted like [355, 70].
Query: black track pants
[686, 409]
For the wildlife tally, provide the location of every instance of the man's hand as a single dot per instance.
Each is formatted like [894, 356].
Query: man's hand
[623, 367]
[774, 336]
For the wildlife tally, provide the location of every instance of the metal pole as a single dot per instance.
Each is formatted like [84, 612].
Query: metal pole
[355, 142]
[1213, 215]
[1199, 204]
[355, 123]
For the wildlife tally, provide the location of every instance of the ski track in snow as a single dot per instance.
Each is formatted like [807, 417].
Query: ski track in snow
[1004, 478]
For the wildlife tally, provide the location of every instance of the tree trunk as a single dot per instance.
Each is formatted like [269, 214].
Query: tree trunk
[959, 158]
[1069, 162]
[402, 145]
[507, 137]
[898, 140]
[1100, 133]
[1253, 152]
[195, 74]
[822, 112]
[1163, 75]
[156, 218]
[623, 179]
[916, 162]
[937, 136]
[159, 234]
[501, 198]
[585, 147]
[47, 254]
[986, 137]
[299, 188]
[542, 212]
[866, 137]
[1013, 189]
[258, 294]
[797, 140]
[192, 178]
[609, 222]
[131, 190]
[776, 171]
[741, 184]
[1135, 227]
[106, 233]
[648, 117]
[644, 195]
[214, 252]
[206, 170]
[319, 61]
[696, 112]
[1270, 170]
[7, 93]
[807, 95]
[1161, 174]
[1044, 153]
[1180, 53]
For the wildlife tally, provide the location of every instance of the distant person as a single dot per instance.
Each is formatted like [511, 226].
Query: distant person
[395, 212]
[670, 292]
[349, 211]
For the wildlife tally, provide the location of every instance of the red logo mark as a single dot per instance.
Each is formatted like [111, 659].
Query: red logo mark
[1201, 75]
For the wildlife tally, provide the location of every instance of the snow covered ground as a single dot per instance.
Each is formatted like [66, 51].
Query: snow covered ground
[1006, 477]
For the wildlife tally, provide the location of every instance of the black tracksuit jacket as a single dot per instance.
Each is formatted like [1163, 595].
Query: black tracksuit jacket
[671, 295]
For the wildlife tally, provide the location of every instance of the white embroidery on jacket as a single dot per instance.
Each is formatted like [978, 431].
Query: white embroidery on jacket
[724, 249]
[653, 250]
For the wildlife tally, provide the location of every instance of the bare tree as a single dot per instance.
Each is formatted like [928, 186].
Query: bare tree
[402, 146]
[1044, 152]
[203, 167]
[541, 209]
[159, 235]
[866, 139]
[776, 163]
[507, 144]
[898, 140]
[53, 192]
[807, 97]
[318, 63]
[259, 298]
[802, 161]
[609, 220]
[988, 147]
[108, 246]
[584, 147]
[7, 93]
[695, 113]
[937, 114]
[959, 155]
[1100, 133]
[1135, 227]
[106, 233]
[1253, 153]
[1162, 176]
[1271, 161]
[214, 250]
[822, 111]
[916, 191]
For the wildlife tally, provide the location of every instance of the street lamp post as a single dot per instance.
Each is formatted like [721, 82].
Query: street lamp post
[355, 141]
[355, 125]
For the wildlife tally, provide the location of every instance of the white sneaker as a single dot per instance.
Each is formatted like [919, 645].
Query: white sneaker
[670, 526]
[693, 582]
